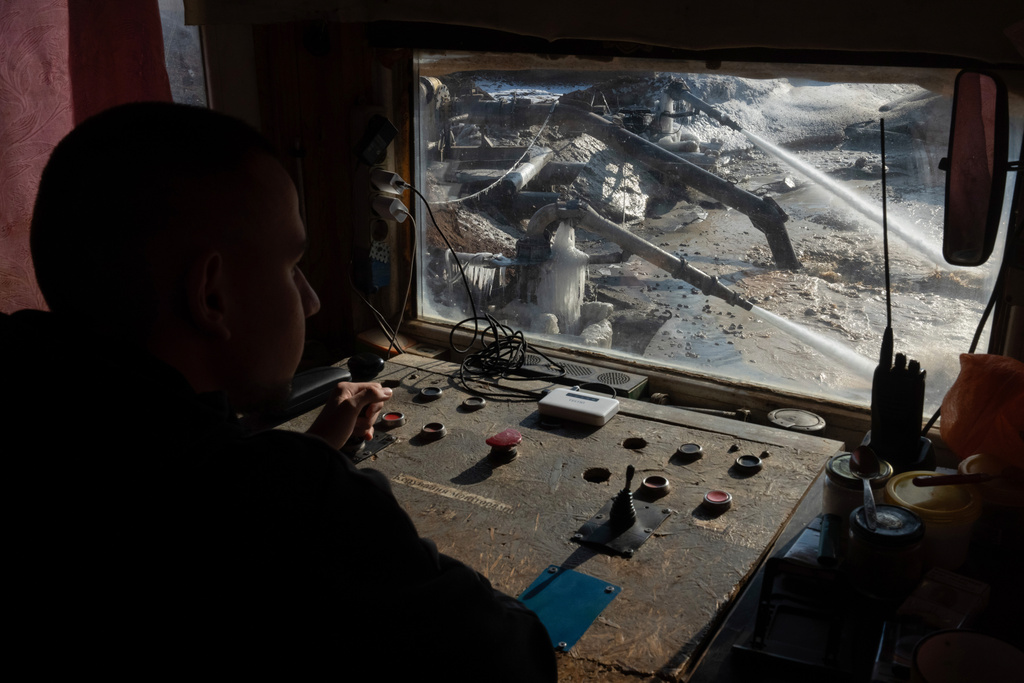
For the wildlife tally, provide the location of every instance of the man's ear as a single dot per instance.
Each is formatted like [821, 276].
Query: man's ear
[206, 296]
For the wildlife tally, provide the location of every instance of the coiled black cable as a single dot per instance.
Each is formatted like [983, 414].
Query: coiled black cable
[497, 359]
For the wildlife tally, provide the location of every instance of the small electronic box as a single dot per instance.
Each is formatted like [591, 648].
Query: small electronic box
[573, 404]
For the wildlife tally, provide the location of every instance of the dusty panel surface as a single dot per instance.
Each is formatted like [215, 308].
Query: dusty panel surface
[511, 521]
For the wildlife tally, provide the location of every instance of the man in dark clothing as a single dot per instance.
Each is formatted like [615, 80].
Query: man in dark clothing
[151, 534]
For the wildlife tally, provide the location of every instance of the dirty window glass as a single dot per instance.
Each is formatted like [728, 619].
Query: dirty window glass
[726, 222]
[183, 55]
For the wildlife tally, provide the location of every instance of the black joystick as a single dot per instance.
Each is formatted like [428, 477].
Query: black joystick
[365, 366]
[623, 514]
[354, 444]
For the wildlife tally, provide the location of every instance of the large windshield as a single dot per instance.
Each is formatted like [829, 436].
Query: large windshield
[727, 225]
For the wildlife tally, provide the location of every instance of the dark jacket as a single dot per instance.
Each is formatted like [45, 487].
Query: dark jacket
[151, 534]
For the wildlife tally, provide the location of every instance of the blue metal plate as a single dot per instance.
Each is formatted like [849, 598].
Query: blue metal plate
[567, 602]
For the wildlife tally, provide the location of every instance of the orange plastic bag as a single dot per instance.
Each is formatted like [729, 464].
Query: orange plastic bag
[983, 412]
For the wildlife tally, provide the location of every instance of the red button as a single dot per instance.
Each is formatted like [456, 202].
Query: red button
[506, 439]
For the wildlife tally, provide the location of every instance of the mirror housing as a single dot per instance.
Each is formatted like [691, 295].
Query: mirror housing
[975, 168]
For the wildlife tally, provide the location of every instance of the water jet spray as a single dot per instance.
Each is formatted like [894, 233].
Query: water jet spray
[851, 199]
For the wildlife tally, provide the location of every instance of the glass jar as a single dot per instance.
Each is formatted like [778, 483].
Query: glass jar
[843, 491]
[888, 562]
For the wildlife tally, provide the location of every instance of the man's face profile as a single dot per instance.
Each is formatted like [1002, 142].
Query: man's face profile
[266, 296]
[174, 228]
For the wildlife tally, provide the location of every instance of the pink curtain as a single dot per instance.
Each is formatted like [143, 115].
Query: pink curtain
[35, 112]
[60, 62]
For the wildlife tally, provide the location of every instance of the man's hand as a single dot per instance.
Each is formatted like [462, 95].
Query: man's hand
[352, 409]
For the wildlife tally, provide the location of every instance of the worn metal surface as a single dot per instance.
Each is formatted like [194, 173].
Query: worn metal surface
[371, 448]
[512, 521]
[601, 531]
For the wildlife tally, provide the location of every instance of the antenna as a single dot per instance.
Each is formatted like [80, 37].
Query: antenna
[885, 356]
[897, 392]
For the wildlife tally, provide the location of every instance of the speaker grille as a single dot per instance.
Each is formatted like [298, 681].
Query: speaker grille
[613, 378]
[625, 384]
[576, 370]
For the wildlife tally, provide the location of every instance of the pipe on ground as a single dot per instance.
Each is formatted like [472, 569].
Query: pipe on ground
[597, 224]
[764, 213]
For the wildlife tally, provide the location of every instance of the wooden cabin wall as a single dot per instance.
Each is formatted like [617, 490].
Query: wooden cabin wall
[319, 84]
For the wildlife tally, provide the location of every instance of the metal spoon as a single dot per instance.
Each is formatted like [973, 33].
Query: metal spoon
[952, 479]
[1011, 473]
[864, 464]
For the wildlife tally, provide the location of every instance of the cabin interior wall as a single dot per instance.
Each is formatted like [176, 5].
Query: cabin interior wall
[317, 88]
[1007, 337]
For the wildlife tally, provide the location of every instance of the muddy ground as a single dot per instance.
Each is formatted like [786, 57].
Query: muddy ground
[836, 297]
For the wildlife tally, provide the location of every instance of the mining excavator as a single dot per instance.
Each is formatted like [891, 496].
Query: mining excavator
[506, 174]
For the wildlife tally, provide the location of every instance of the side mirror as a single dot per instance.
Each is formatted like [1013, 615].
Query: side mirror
[975, 168]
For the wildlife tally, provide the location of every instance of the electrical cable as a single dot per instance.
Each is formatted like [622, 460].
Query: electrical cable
[382, 322]
[599, 387]
[499, 358]
[465, 280]
[885, 236]
[408, 290]
[510, 169]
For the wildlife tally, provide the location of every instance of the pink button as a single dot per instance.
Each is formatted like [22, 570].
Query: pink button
[717, 501]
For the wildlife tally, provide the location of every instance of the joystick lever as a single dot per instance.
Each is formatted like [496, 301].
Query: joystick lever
[623, 512]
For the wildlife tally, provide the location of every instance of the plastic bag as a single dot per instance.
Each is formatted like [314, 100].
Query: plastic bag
[983, 412]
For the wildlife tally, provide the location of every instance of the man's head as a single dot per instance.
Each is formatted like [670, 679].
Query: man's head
[174, 228]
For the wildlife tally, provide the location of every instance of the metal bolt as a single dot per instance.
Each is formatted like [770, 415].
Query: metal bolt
[552, 570]
[562, 645]
[647, 531]
[609, 589]
[577, 535]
